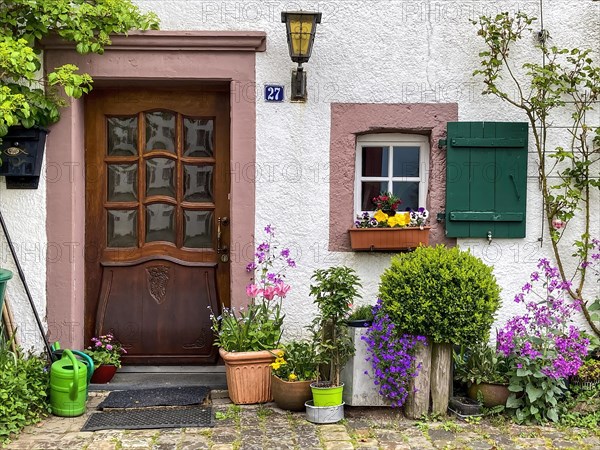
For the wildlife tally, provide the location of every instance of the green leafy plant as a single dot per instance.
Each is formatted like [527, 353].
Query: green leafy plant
[297, 362]
[259, 326]
[480, 363]
[363, 312]
[105, 350]
[334, 290]
[444, 293]
[589, 371]
[564, 83]
[23, 390]
[28, 98]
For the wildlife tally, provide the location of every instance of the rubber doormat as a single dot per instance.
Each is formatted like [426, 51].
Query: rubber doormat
[141, 419]
[143, 398]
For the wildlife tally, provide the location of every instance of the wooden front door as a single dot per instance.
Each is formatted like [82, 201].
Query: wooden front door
[157, 228]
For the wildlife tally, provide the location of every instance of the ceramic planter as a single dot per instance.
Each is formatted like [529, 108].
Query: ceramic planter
[290, 395]
[388, 239]
[248, 376]
[493, 394]
[103, 374]
[5, 275]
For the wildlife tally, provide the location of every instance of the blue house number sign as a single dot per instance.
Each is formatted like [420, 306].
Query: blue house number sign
[273, 93]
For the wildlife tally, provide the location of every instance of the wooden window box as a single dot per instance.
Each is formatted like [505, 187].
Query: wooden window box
[388, 239]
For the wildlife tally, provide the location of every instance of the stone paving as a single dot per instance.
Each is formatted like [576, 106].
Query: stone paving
[267, 427]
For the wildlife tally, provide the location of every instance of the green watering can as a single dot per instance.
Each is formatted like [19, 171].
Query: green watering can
[68, 386]
[83, 357]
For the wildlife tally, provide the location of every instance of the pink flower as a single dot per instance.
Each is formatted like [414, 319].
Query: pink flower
[281, 289]
[252, 290]
[109, 347]
[269, 292]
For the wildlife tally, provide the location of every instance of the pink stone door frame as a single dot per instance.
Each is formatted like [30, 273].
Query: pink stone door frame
[154, 58]
[349, 120]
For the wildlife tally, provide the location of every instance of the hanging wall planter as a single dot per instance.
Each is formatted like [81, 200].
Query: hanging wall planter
[22, 152]
[388, 239]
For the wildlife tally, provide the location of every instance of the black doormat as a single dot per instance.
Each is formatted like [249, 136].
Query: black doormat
[148, 418]
[143, 398]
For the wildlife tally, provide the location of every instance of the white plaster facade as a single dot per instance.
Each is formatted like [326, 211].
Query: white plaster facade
[392, 51]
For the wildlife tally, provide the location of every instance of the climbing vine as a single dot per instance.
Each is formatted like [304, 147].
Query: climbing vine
[566, 80]
[28, 97]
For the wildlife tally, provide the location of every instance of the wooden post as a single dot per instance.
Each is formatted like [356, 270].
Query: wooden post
[417, 402]
[441, 371]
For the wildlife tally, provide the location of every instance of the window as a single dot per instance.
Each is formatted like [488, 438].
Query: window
[396, 163]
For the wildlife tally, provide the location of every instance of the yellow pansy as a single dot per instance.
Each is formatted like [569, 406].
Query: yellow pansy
[275, 365]
[292, 377]
[394, 221]
[404, 218]
[380, 216]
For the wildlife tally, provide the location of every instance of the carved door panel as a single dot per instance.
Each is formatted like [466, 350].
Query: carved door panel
[157, 235]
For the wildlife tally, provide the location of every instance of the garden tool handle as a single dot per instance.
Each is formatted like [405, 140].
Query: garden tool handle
[74, 388]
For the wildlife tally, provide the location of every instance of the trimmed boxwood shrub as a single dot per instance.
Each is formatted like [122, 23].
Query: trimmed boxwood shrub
[444, 293]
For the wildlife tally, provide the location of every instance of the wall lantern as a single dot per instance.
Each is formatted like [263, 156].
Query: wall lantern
[22, 152]
[300, 27]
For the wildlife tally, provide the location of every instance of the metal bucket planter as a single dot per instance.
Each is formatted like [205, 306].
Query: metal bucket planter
[324, 414]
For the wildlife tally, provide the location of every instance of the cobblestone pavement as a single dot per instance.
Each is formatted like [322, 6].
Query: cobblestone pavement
[267, 427]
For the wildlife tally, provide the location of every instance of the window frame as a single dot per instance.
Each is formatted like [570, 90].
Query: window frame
[391, 140]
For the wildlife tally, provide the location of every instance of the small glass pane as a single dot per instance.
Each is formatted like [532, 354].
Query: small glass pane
[375, 161]
[408, 191]
[198, 137]
[198, 229]
[122, 228]
[198, 183]
[160, 222]
[406, 161]
[122, 182]
[160, 177]
[122, 136]
[370, 190]
[160, 131]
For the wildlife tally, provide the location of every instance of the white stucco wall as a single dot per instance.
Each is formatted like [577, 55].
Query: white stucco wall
[24, 213]
[365, 52]
[375, 52]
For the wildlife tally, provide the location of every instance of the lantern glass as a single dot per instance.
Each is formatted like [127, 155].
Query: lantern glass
[301, 27]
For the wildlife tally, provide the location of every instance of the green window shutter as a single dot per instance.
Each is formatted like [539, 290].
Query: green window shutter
[486, 179]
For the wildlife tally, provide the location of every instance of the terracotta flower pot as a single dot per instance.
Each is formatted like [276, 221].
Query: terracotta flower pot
[248, 376]
[103, 373]
[290, 395]
[493, 394]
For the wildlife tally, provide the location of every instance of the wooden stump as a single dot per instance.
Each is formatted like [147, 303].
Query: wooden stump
[441, 374]
[417, 402]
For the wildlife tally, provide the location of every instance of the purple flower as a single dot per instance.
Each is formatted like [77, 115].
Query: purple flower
[251, 267]
[269, 230]
[285, 253]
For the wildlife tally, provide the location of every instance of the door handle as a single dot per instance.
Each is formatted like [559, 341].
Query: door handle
[220, 247]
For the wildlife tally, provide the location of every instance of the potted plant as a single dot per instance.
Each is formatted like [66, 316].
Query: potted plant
[106, 353]
[292, 373]
[448, 296]
[361, 316]
[248, 339]
[484, 371]
[334, 290]
[588, 375]
[388, 230]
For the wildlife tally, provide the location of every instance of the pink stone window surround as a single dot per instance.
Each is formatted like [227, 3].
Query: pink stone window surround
[350, 120]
